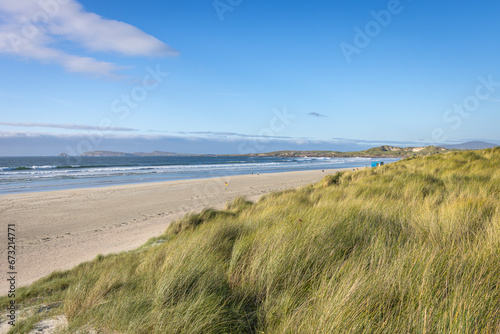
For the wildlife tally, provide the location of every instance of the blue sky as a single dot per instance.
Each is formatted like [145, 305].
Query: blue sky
[237, 76]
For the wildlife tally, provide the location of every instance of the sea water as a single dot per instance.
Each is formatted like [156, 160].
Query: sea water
[33, 174]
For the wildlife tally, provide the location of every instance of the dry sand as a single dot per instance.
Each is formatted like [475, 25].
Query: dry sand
[60, 229]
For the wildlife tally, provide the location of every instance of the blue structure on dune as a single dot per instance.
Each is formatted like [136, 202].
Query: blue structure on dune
[377, 163]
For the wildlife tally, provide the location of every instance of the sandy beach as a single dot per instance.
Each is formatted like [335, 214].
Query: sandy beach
[60, 229]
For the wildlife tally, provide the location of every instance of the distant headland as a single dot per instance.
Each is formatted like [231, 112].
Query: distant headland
[385, 151]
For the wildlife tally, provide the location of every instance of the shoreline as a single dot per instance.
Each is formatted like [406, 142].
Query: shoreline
[57, 230]
[103, 181]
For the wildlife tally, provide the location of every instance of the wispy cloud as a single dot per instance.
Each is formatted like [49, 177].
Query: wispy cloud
[373, 142]
[228, 94]
[35, 29]
[60, 101]
[10, 96]
[66, 126]
[315, 114]
[228, 134]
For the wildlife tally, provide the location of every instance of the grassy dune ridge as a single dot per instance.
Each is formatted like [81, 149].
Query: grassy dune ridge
[410, 247]
[385, 151]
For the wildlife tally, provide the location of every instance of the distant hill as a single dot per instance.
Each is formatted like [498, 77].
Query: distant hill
[122, 154]
[471, 145]
[394, 151]
[104, 154]
[385, 151]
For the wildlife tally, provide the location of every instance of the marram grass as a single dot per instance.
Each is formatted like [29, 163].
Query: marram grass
[410, 247]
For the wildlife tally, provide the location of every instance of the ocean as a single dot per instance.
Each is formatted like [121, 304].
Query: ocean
[34, 174]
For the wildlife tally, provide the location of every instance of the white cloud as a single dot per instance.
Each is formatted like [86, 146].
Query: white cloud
[228, 134]
[36, 29]
[65, 126]
[60, 101]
